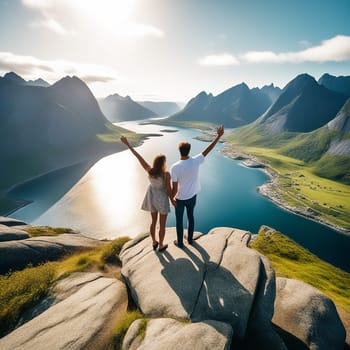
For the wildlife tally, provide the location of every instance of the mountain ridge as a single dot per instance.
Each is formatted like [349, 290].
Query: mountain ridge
[339, 84]
[118, 108]
[53, 127]
[303, 106]
[233, 107]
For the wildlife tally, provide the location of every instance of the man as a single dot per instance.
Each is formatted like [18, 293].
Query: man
[185, 177]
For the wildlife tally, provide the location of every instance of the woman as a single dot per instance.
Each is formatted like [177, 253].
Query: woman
[157, 196]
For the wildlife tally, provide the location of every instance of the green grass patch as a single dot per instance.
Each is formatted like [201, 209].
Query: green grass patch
[36, 231]
[291, 260]
[114, 132]
[95, 258]
[123, 325]
[21, 290]
[110, 251]
[300, 187]
[186, 124]
[309, 147]
[333, 167]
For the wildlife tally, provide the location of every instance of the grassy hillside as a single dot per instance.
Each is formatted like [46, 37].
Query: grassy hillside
[293, 261]
[299, 186]
[310, 148]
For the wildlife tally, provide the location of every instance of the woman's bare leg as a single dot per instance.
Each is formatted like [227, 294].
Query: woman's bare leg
[152, 228]
[162, 223]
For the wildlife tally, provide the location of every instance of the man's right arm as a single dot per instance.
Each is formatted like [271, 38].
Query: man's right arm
[219, 132]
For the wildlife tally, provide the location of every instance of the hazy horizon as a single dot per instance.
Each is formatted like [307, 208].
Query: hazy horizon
[171, 50]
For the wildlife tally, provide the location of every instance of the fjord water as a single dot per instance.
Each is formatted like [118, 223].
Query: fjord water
[105, 202]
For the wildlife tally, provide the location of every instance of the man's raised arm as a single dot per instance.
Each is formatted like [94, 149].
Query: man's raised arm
[219, 132]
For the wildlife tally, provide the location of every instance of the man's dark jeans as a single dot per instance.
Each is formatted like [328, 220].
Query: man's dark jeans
[189, 204]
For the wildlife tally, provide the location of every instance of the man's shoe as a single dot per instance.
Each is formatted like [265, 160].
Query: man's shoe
[177, 244]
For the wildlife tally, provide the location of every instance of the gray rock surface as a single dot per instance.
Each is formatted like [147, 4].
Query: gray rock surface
[306, 317]
[12, 233]
[260, 334]
[63, 289]
[167, 333]
[4, 220]
[18, 254]
[81, 321]
[216, 278]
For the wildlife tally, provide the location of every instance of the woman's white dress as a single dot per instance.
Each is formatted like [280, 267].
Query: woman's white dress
[156, 198]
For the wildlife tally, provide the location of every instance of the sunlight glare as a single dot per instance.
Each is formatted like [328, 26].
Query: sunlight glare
[118, 188]
[106, 12]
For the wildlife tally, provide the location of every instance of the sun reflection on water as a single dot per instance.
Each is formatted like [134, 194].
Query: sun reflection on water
[118, 188]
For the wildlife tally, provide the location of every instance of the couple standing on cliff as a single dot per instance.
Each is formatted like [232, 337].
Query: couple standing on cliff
[180, 187]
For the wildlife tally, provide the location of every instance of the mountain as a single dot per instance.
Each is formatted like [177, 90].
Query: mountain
[234, 107]
[161, 108]
[38, 82]
[117, 109]
[303, 106]
[45, 128]
[339, 84]
[327, 148]
[15, 78]
[271, 91]
[12, 76]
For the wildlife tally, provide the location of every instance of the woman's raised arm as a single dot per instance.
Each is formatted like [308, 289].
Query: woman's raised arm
[144, 164]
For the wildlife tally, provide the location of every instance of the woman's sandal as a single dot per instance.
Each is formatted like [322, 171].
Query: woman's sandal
[155, 246]
[165, 246]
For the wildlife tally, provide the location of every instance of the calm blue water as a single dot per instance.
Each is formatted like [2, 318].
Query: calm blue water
[105, 202]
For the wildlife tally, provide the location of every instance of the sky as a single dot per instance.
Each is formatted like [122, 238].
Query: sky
[173, 49]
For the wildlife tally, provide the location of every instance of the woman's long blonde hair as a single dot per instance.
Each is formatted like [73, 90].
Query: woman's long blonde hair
[157, 166]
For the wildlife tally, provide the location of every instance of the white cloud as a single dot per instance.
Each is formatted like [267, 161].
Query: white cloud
[336, 49]
[222, 59]
[106, 16]
[31, 67]
[50, 23]
[141, 30]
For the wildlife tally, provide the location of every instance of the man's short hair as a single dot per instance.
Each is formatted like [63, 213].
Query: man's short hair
[184, 148]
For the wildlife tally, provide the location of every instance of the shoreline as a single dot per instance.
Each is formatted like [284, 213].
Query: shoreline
[88, 161]
[267, 189]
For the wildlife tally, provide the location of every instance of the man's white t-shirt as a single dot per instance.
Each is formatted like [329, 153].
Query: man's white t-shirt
[186, 174]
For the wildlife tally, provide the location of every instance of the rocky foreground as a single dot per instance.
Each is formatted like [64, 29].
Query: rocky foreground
[215, 294]
[228, 290]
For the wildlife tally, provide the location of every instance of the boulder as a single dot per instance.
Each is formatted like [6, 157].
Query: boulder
[18, 254]
[260, 333]
[12, 234]
[4, 220]
[63, 289]
[167, 333]
[306, 318]
[215, 279]
[83, 320]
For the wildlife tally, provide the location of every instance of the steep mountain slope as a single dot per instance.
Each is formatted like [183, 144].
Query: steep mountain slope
[327, 148]
[117, 109]
[161, 108]
[303, 106]
[42, 129]
[234, 107]
[339, 84]
[271, 91]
